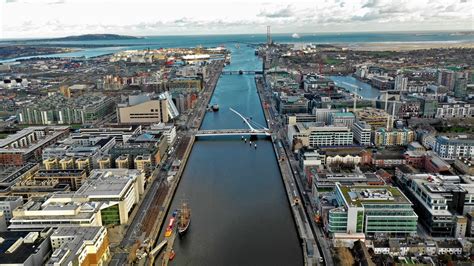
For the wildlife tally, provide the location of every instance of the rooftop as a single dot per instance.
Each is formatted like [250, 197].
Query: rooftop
[362, 195]
[108, 183]
[28, 244]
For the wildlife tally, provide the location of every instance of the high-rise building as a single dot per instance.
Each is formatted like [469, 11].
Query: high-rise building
[401, 83]
[460, 87]
[446, 78]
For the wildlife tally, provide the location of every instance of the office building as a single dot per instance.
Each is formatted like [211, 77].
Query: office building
[323, 115]
[451, 148]
[168, 130]
[79, 246]
[8, 204]
[121, 133]
[438, 200]
[372, 210]
[43, 212]
[141, 109]
[27, 144]
[343, 119]
[313, 136]
[118, 189]
[72, 177]
[25, 248]
[292, 104]
[362, 133]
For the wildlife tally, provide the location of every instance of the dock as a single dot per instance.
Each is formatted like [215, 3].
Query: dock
[308, 243]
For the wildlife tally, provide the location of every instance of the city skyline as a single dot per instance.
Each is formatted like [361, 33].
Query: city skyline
[26, 19]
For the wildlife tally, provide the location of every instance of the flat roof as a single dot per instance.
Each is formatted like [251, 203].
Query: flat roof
[359, 195]
[108, 183]
[24, 250]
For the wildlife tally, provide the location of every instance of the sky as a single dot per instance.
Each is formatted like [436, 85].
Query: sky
[57, 18]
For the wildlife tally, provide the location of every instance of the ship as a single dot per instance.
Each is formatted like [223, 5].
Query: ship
[184, 218]
[169, 229]
[215, 107]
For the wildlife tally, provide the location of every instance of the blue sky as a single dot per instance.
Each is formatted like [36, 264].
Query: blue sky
[52, 18]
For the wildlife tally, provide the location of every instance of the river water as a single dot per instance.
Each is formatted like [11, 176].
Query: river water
[240, 212]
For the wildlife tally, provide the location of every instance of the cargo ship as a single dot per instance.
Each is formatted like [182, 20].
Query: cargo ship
[184, 219]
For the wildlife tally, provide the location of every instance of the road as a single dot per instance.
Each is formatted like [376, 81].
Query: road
[144, 217]
[278, 126]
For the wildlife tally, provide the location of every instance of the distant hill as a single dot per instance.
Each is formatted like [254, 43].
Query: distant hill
[93, 37]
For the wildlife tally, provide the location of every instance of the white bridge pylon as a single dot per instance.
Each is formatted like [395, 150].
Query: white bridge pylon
[247, 121]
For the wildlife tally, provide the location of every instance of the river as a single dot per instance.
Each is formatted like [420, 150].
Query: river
[240, 212]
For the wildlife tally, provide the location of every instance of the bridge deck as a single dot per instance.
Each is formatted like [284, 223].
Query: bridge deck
[230, 132]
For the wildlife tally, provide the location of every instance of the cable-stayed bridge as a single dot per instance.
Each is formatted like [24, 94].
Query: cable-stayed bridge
[254, 129]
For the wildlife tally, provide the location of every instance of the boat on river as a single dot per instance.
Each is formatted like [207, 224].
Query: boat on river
[184, 218]
[169, 229]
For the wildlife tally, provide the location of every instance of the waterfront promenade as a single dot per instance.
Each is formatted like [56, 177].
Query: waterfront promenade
[304, 223]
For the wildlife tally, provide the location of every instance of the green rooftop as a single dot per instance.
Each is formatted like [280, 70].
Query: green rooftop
[363, 195]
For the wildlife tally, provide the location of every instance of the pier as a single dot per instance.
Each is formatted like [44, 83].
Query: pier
[310, 248]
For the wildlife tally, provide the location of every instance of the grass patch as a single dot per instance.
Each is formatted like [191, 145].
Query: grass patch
[332, 61]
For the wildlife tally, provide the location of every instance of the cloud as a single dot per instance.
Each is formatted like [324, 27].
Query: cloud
[243, 16]
[48, 2]
[285, 12]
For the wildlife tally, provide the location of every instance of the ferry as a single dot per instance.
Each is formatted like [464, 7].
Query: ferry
[184, 219]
